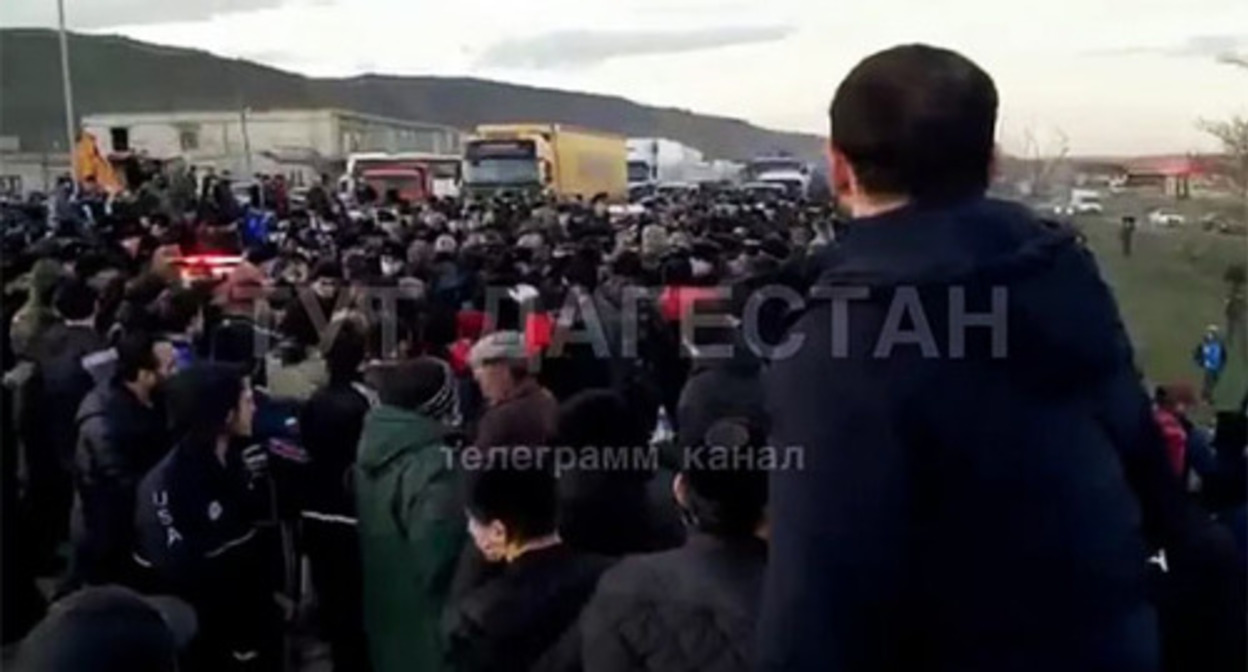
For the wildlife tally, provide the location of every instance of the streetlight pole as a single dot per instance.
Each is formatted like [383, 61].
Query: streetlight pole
[70, 135]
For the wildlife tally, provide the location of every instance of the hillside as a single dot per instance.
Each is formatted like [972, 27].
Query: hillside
[115, 74]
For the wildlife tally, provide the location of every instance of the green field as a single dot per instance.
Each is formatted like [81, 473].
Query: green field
[1169, 291]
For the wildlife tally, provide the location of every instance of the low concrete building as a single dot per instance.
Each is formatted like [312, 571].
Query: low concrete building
[263, 141]
[24, 172]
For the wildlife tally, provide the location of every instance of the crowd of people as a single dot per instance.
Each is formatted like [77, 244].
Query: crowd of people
[708, 433]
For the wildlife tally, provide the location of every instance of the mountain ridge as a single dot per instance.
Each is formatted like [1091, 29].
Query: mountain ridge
[113, 73]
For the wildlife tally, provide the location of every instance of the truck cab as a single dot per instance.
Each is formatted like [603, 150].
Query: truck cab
[544, 159]
[787, 172]
[409, 184]
[440, 173]
[522, 162]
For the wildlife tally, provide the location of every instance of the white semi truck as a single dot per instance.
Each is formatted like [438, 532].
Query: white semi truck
[785, 171]
[655, 161]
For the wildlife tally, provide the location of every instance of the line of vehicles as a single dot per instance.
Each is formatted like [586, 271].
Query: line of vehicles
[566, 161]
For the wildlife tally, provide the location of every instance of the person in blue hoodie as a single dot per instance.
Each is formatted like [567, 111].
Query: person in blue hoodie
[978, 472]
[1210, 356]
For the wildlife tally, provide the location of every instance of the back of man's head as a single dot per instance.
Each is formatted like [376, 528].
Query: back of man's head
[917, 121]
[135, 354]
[75, 300]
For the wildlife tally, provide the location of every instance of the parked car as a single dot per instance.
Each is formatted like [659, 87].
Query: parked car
[1086, 202]
[1166, 218]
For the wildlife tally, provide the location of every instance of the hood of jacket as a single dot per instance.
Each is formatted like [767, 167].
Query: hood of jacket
[1058, 332]
[43, 277]
[390, 432]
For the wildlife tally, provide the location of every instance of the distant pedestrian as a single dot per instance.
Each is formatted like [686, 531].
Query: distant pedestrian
[1210, 356]
[1127, 234]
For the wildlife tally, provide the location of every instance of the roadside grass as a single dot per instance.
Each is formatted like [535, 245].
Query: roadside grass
[1168, 292]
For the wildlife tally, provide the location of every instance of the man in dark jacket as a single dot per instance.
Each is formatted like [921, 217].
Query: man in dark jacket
[961, 502]
[608, 505]
[196, 523]
[693, 608]
[59, 383]
[522, 618]
[330, 424]
[121, 435]
[521, 412]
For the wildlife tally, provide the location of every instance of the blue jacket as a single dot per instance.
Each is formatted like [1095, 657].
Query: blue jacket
[959, 511]
[1210, 355]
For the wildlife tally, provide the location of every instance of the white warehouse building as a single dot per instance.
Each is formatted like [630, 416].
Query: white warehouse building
[266, 141]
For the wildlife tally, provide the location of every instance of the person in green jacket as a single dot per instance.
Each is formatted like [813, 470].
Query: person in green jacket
[411, 520]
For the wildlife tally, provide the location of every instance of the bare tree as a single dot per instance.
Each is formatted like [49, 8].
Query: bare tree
[1233, 135]
[1044, 161]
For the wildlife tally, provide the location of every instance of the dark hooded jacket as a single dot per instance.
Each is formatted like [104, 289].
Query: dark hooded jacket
[690, 609]
[63, 356]
[523, 619]
[411, 527]
[36, 314]
[963, 501]
[119, 440]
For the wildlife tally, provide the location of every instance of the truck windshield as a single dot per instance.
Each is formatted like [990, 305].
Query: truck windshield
[501, 171]
[407, 186]
[638, 171]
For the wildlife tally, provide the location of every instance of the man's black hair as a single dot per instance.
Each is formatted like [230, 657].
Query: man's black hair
[135, 354]
[346, 351]
[628, 265]
[596, 419]
[917, 121]
[199, 399]
[75, 300]
[180, 311]
[524, 500]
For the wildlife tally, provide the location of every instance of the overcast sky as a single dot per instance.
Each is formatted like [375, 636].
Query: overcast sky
[1113, 76]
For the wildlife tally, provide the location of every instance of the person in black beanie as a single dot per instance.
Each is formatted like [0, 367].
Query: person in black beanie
[196, 525]
[410, 521]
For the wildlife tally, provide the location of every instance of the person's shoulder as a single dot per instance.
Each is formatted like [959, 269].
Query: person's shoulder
[636, 575]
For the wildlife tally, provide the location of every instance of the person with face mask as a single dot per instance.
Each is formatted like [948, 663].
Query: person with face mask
[522, 618]
[196, 524]
[121, 434]
[392, 260]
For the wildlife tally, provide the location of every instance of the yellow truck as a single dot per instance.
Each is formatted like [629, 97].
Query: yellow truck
[557, 159]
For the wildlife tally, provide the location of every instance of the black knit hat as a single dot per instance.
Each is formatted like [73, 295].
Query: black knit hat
[728, 482]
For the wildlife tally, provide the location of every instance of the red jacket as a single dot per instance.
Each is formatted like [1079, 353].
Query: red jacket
[675, 302]
[1175, 437]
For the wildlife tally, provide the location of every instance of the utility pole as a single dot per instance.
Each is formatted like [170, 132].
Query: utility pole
[242, 113]
[71, 136]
